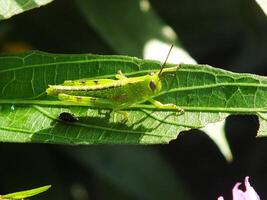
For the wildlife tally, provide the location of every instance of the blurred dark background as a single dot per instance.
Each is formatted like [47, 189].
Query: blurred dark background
[226, 34]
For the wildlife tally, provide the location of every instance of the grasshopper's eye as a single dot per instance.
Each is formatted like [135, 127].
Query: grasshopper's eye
[152, 85]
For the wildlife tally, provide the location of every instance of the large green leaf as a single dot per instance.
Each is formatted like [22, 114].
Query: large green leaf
[206, 94]
[8, 8]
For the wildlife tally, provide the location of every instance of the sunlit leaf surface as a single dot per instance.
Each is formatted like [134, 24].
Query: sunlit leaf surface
[206, 94]
[8, 8]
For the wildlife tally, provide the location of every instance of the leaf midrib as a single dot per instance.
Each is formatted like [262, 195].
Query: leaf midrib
[138, 106]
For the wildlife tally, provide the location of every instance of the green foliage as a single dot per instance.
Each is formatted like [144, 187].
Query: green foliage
[25, 194]
[234, 36]
[8, 8]
[206, 94]
[127, 34]
[143, 175]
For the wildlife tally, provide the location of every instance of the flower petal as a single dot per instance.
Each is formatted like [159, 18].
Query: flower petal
[237, 193]
[251, 194]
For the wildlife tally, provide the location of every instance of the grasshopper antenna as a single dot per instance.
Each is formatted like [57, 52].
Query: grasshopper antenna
[162, 66]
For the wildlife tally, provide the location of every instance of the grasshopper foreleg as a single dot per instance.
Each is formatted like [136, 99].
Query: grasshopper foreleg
[168, 106]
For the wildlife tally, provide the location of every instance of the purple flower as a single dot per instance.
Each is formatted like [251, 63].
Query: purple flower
[249, 194]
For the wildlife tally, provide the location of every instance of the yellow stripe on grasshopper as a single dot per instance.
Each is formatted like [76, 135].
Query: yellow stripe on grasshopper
[93, 82]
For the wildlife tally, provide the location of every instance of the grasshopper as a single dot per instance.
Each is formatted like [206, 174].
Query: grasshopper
[115, 94]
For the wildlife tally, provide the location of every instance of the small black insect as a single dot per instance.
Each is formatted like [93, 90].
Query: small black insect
[67, 117]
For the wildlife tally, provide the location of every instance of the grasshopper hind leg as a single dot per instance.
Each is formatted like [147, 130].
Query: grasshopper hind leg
[94, 102]
[85, 100]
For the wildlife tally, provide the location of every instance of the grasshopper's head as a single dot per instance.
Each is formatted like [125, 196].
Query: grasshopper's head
[154, 83]
[155, 78]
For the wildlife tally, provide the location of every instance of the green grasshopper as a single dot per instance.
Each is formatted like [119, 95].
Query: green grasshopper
[115, 94]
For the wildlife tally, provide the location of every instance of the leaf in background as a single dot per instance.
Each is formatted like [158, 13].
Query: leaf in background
[8, 8]
[116, 24]
[141, 172]
[206, 94]
[48, 169]
[132, 28]
[25, 193]
[263, 5]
